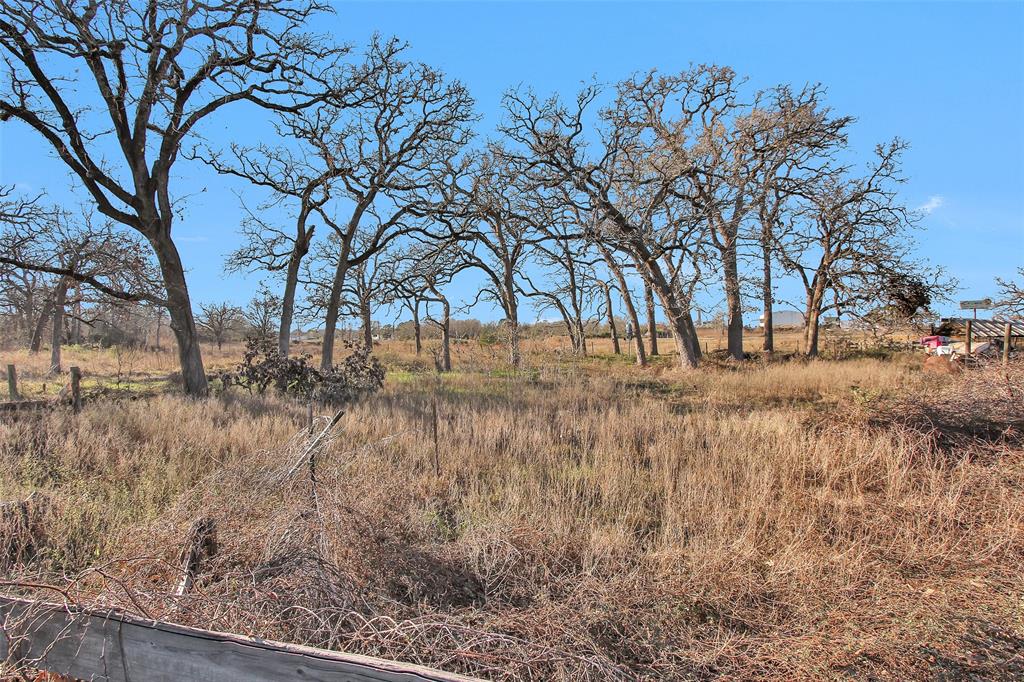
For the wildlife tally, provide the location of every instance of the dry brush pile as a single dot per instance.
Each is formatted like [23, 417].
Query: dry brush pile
[776, 522]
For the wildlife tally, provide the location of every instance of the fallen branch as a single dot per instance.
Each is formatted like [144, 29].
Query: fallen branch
[315, 444]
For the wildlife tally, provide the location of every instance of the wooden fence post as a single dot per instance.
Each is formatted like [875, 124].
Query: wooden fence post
[970, 334]
[12, 382]
[76, 390]
[437, 447]
[1007, 337]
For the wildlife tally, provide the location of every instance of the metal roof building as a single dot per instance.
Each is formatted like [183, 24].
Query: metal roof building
[991, 329]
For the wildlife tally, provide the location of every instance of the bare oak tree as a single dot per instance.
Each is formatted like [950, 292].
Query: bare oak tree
[794, 144]
[617, 271]
[263, 312]
[149, 72]
[300, 174]
[266, 246]
[491, 233]
[25, 294]
[436, 269]
[559, 248]
[26, 298]
[652, 322]
[634, 184]
[219, 320]
[76, 252]
[393, 153]
[609, 311]
[849, 239]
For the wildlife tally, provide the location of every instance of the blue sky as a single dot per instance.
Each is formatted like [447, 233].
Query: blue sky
[948, 77]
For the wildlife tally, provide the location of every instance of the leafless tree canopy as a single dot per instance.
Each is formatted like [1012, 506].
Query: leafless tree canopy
[51, 259]
[219, 319]
[677, 187]
[1011, 294]
[150, 72]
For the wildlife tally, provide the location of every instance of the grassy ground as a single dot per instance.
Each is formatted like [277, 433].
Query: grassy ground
[154, 371]
[582, 519]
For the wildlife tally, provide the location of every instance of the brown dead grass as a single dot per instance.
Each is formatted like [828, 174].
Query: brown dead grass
[591, 520]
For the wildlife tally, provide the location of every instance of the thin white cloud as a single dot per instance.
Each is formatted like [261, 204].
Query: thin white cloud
[934, 202]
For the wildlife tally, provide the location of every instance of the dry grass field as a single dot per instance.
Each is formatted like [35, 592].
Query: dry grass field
[582, 519]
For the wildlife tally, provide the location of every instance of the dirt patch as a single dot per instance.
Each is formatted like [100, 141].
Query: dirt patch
[942, 365]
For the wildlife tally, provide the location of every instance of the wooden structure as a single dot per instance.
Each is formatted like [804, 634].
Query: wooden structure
[76, 390]
[70, 394]
[115, 647]
[12, 382]
[24, 405]
[1006, 334]
[983, 329]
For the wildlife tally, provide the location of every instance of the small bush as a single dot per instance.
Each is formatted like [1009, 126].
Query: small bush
[358, 375]
[264, 367]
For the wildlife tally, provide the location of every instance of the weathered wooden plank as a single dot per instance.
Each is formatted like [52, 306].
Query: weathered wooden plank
[24, 405]
[114, 647]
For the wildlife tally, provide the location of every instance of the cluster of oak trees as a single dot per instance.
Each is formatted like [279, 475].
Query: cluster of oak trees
[688, 182]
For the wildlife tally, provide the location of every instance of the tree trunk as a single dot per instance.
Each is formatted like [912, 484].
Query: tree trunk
[37, 334]
[331, 320]
[364, 313]
[291, 280]
[76, 335]
[446, 349]
[676, 310]
[734, 302]
[579, 328]
[692, 334]
[812, 316]
[767, 300]
[652, 325]
[811, 334]
[634, 321]
[299, 250]
[612, 331]
[684, 334]
[57, 325]
[159, 323]
[581, 337]
[416, 328]
[627, 301]
[515, 358]
[512, 314]
[574, 328]
[183, 324]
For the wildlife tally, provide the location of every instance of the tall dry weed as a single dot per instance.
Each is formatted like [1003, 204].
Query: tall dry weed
[772, 522]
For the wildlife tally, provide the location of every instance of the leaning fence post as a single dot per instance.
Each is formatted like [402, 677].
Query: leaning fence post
[76, 389]
[12, 382]
[970, 330]
[1006, 344]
